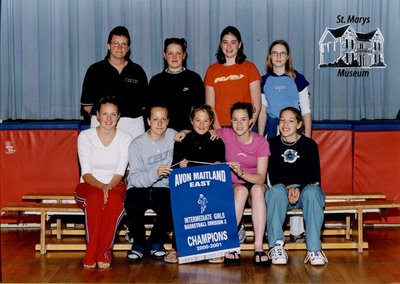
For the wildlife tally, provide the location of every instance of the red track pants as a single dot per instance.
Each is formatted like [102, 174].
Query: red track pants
[101, 220]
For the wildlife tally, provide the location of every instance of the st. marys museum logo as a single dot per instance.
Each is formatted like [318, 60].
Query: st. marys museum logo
[344, 48]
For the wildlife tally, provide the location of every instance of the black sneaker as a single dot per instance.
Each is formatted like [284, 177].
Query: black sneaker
[298, 239]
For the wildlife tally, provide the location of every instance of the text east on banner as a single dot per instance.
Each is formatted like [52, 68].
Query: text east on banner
[203, 212]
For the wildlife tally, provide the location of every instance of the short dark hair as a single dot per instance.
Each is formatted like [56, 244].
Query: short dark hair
[245, 106]
[120, 31]
[240, 57]
[179, 41]
[298, 116]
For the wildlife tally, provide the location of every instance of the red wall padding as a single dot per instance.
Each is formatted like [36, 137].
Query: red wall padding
[37, 161]
[377, 166]
[336, 158]
[45, 161]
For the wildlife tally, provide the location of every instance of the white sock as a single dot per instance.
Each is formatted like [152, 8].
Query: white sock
[296, 225]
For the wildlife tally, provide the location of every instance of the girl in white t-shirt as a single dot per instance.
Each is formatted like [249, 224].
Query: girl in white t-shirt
[103, 157]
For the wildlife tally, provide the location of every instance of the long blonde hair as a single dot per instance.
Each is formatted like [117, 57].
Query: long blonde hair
[289, 71]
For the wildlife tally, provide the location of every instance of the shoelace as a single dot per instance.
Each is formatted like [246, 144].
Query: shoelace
[278, 250]
[315, 254]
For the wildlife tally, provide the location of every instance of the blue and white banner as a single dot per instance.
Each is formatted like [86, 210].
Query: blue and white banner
[203, 210]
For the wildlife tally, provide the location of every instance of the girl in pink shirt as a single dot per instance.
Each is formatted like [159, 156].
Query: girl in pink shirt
[247, 155]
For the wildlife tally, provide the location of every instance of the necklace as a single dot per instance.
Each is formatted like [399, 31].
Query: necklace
[290, 144]
[198, 144]
[175, 72]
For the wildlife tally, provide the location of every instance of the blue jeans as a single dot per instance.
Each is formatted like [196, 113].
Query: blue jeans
[311, 201]
[271, 129]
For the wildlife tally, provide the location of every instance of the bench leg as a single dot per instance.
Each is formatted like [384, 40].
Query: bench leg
[348, 227]
[58, 229]
[360, 237]
[43, 232]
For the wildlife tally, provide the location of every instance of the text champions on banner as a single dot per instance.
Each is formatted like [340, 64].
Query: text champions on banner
[203, 211]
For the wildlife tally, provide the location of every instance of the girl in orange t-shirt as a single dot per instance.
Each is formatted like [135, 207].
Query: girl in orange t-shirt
[231, 79]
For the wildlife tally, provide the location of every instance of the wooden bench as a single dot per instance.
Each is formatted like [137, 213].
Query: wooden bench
[45, 210]
[69, 197]
[335, 196]
[49, 197]
[359, 196]
[356, 208]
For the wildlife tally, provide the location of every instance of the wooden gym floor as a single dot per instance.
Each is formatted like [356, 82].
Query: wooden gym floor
[379, 264]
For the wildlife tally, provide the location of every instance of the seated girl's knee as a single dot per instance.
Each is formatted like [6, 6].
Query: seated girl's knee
[241, 190]
[312, 191]
[257, 189]
[115, 197]
[261, 187]
[277, 191]
[95, 196]
[132, 208]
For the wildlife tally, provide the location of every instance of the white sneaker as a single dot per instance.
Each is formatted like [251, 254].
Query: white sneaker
[278, 253]
[242, 234]
[316, 257]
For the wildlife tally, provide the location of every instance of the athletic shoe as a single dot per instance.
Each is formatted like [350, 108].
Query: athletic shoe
[316, 257]
[278, 253]
[242, 234]
[298, 239]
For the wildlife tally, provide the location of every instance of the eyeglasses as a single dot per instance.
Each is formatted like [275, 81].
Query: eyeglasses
[281, 54]
[119, 44]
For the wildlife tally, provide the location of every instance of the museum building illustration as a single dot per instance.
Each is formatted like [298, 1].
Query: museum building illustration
[344, 47]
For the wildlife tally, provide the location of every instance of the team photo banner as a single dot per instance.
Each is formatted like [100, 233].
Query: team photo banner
[203, 211]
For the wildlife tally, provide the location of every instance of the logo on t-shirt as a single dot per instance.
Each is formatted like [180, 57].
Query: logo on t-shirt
[132, 81]
[290, 156]
[279, 88]
[229, 78]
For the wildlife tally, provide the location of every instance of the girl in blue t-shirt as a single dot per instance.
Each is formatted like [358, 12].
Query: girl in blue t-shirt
[281, 87]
